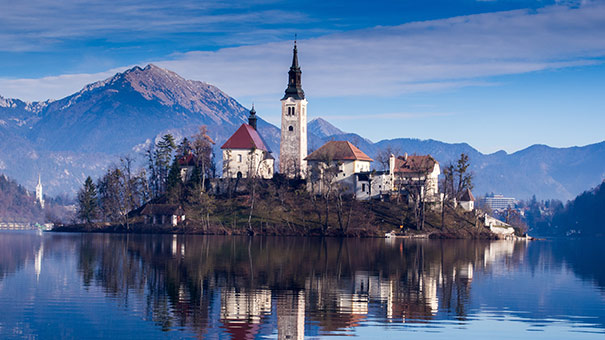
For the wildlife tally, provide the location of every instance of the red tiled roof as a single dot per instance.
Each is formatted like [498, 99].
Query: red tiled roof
[186, 160]
[414, 164]
[338, 151]
[245, 138]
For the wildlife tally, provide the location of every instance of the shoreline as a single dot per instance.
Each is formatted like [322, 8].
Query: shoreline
[273, 231]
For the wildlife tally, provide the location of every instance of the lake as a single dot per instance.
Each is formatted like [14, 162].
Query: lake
[98, 286]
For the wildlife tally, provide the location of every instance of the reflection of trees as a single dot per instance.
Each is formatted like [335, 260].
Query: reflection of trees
[334, 283]
[15, 249]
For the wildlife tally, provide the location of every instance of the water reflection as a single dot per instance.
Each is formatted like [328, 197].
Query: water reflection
[245, 288]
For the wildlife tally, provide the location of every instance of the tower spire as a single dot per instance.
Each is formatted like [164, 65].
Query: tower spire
[294, 89]
[252, 117]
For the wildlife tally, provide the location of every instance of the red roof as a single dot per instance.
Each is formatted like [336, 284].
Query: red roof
[245, 138]
[414, 164]
[186, 160]
[337, 151]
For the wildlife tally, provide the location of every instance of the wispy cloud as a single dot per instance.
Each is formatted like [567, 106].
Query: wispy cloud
[40, 25]
[391, 115]
[419, 56]
[53, 87]
[389, 61]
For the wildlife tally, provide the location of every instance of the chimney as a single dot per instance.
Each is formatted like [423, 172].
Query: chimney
[252, 118]
[405, 156]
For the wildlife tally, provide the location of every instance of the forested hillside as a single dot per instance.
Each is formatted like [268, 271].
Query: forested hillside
[16, 204]
[583, 216]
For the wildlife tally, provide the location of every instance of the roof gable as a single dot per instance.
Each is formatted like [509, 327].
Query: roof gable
[415, 164]
[245, 138]
[338, 151]
[161, 209]
[467, 196]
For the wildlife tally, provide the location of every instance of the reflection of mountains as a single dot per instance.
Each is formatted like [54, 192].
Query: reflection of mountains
[335, 284]
[251, 287]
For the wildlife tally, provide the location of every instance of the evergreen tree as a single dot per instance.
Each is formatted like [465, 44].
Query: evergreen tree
[174, 185]
[87, 201]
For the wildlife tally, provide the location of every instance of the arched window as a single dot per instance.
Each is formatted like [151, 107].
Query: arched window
[290, 128]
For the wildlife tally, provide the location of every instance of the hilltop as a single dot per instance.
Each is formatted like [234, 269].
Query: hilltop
[68, 139]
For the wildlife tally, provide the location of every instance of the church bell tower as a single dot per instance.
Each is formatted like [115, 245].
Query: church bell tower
[293, 145]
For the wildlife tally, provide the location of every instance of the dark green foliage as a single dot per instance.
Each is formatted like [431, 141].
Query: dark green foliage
[159, 158]
[174, 184]
[88, 202]
[585, 215]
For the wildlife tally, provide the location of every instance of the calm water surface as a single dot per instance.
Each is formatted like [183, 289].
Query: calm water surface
[218, 287]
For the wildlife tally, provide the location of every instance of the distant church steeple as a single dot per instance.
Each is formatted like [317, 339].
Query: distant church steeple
[39, 196]
[294, 89]
[252, 118]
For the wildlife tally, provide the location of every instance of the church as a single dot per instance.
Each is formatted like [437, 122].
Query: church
[245, 154]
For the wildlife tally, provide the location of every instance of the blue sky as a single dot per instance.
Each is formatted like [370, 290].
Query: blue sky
[499, 74]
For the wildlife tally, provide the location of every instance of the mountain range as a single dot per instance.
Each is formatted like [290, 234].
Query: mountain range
[68, 139]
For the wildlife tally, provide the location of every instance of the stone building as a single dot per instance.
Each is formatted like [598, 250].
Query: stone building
[341, 165]
[245, 154]
[417, 171]
[293, 143]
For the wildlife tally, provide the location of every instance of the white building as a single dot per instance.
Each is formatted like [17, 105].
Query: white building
[339, 165]
[293, 143]
[498, 202]
[467, 201]
[416, 170]
[406, 173]
[245, 154]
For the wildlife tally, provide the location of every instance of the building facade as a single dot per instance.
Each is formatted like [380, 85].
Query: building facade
[246, 155]
[498, 202]
[293, 143]
[339, 165]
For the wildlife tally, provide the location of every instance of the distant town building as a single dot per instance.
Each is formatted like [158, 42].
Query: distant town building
[497, 202]
[467, 200]
[342, 164]
[39, 195]
[293, 143]
[245, 154]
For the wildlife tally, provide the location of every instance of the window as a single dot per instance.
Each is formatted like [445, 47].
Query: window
[290, 128]
[363, 187]
[239, 158]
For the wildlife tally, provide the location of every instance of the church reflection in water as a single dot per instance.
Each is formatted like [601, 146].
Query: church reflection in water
[249, 287]
[244, 288]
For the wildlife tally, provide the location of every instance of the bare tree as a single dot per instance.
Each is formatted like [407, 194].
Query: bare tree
[383, 156]
[202, 149]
